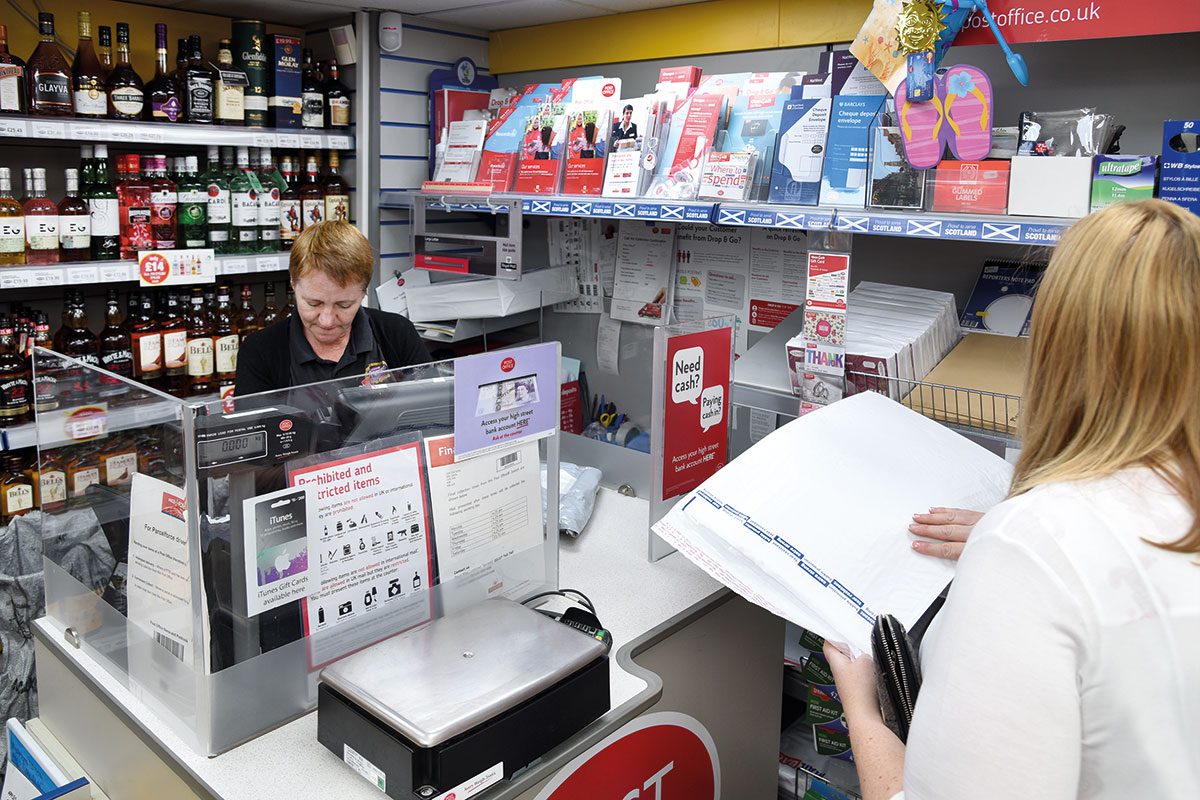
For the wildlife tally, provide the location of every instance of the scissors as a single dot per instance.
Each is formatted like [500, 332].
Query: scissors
[608, 414]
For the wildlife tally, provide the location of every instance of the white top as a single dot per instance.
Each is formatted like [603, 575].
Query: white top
[1066, 661]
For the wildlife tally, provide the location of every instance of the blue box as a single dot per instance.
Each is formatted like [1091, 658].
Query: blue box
[1179, 178]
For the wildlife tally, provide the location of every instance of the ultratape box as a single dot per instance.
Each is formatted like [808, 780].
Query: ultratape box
[1179, 181]
[1122, 179]
[283, 81]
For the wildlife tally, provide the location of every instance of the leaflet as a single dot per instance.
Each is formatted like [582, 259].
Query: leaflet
[808, 560]
[777, 259]
[711, 276]
[484, 509]
[644, 289]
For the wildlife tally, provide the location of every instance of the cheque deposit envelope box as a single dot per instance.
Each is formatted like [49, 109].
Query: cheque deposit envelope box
[467, 699]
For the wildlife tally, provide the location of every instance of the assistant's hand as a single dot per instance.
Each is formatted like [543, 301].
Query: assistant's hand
[856, 683]
[948, 527]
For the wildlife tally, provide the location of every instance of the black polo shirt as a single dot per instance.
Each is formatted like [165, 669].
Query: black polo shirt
[362, 353]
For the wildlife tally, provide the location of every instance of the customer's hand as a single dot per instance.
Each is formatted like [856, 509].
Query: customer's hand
[856, 683]
[948, 527]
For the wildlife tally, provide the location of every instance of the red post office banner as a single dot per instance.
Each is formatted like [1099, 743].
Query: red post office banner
[1063, 20]
[655, 757]
[695, 432]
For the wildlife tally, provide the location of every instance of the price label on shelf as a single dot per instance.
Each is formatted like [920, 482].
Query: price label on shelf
[234, 266]
[89, 427]
[13, 127]
[76, 275]
[47, 277]
[339, 142]
[267, 263]
[141, 135]
[116, 272]
[85, 131]
[288, 139]
[310, 142]
[264, 140]
[15, 279]
[49, 130]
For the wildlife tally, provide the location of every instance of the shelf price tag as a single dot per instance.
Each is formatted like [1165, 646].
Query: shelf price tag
[77, 275]
[117, 272]
[13, 127]
[49, 130]
[288, 139]
[47, 277]
[234, 266]
[339, 142]
[142, 135]
[266, 263]
[264, 140]
[86, 131]
[310, 142]
[15, 279]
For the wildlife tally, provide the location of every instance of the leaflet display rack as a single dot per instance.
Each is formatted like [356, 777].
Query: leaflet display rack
[161, 562]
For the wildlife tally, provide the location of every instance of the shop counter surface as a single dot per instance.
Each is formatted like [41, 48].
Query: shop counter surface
[639, 603]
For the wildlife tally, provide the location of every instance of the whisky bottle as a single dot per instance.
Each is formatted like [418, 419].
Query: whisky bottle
[173, 327]
[79, 343]
[116, 352]
[337, 99]
[225, 340]
[126, 92]
[48, 75]
[146, 343]
[231, 88]
[12, 78]
[83, 470]
[14, 378]
[337, 195]
[118, 461]
[74, 223]
[164, 93]
[312, 95]
[41, 223]
[87, 75]
[46, 374]
[246, 322]
[49, 479]
[199, 89]
[201, 364]
[16, 490]
[12, 224]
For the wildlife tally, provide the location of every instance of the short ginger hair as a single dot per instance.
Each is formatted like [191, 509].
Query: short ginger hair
[336, 248]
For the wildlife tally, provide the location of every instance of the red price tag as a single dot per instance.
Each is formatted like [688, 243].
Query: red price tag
[154, 269]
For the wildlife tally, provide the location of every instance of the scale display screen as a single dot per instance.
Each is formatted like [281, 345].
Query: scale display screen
[231, 449]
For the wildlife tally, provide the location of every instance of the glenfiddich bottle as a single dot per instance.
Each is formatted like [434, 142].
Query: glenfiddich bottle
[48, 75]
[116, 352]
[14, 378]
[87, 74]
[12, 78]
[126, 92]
[201, 365]
[49, 479]
[225, 340]
[166, 104]
[16, 490]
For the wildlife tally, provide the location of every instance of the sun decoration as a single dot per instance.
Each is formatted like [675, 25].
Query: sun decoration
[920, 24]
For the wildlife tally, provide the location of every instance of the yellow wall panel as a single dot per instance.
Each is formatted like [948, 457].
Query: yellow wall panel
[719, 26]
[23, 37]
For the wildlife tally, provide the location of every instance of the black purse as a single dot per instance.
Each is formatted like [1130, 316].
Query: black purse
[898, 672]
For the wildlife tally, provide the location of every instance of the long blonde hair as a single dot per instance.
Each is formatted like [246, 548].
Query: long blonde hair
[1114, 367]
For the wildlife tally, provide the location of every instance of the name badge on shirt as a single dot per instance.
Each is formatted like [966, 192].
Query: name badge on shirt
[375, 373]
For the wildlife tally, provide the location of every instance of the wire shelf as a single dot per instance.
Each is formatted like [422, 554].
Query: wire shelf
[974, 410]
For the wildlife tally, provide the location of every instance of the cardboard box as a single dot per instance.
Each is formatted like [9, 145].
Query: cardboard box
[1180, 179]
[1122, 179]
[250, 56]
[980, 366]
[1050, 186]
[971, 187]
[283, 81]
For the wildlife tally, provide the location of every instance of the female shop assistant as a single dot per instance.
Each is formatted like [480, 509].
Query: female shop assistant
[330, 334]
[1066, 661]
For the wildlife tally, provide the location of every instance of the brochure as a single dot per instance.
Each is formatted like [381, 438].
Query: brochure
[693, 128]
[633, 146]
[727, 176]
[711, 276]
[644, 287]
[588, 127]
[539, 167]
[894, 182]
[458, 159]
[506, 134]
[844, 175]
[800, 153]
[753, 127]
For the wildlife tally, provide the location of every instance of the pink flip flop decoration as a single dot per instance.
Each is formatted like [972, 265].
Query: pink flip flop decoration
[967, 94]
[920, 129]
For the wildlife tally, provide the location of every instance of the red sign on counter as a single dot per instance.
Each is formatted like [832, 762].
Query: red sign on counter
[695, 427]
[1063, 20]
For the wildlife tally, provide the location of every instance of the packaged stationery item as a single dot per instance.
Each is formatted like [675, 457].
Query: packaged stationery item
[694, 124]
[1180, 182]
[1002, 299]
[1122, 179]
[1050, 187]
[800, 152]
[894, 182]
[973, 187]
[727, 176]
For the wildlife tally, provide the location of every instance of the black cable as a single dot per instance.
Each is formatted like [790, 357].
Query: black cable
[582, 599]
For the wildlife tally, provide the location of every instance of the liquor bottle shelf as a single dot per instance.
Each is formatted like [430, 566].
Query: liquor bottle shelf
[1026, 231]
[91, 131]
[97, 272]
[55, 432]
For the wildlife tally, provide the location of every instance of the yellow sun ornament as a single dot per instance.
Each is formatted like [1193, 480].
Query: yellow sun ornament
[919, 25]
